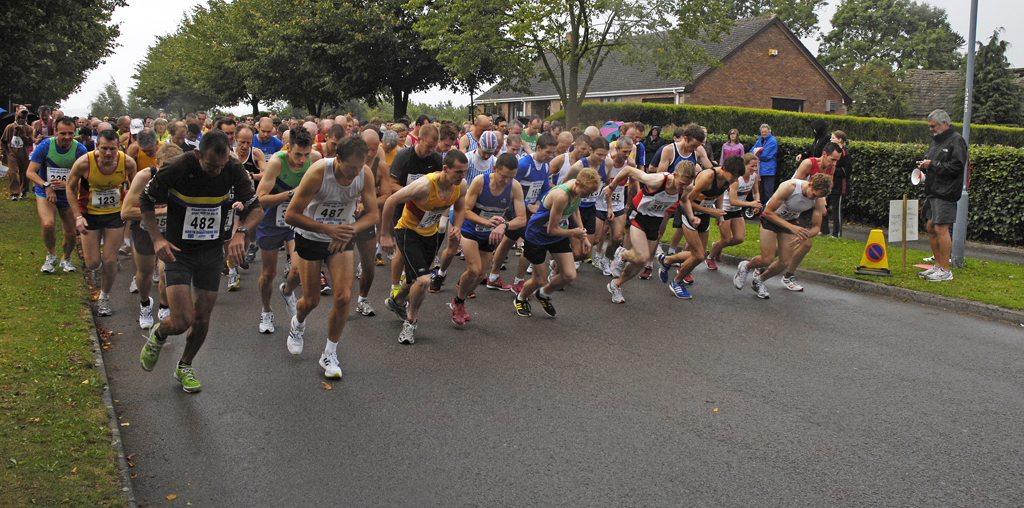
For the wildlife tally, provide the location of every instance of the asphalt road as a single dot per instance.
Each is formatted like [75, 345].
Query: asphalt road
[825, 398]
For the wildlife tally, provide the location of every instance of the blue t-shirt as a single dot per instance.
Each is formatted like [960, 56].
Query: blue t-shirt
[534, 179]
[39, 156]
[269, 148]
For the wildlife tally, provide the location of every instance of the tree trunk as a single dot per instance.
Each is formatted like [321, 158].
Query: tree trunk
[255, 107]
[400, 98]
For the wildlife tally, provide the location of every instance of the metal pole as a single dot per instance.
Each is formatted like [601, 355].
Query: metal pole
[960, 227]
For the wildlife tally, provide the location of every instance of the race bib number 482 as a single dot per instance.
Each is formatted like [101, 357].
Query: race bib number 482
[201, 223]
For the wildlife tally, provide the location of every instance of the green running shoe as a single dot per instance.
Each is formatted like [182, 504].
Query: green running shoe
[187, 376]
[151, 351]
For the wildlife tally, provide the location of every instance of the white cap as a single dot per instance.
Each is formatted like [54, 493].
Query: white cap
[136, 126]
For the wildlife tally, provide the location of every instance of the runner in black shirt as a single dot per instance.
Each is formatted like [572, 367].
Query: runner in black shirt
[196, 187]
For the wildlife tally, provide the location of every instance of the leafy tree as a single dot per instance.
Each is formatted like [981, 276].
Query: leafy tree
[108, 102]
[903, 34]
[167, 80]
[800, 16]
[875, 89]
[50, 46]
[997, 98]
[567, 41]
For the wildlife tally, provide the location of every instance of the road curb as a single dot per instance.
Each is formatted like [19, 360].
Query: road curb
[897, 293]
[127, 488]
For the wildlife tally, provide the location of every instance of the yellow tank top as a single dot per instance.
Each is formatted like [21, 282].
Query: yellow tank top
[422, 216]
[101, 194]
[145, 161]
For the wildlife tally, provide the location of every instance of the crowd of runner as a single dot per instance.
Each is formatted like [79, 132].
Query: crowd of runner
[199, 199]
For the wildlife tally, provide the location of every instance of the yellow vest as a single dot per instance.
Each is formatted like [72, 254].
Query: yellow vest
[422, 216]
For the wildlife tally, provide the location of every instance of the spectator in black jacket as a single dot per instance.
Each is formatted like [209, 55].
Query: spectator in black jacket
[943, 166]
[840, 186]
[653, 143]
[821, 138]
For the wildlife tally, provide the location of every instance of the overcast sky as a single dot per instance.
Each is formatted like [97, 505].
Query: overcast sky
[139, 31]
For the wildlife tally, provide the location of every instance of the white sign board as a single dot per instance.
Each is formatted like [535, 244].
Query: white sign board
[3, 171]
[896, 220]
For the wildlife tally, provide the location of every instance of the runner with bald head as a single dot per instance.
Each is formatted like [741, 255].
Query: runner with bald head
[312, 129]
[325, 127]
[593, 132]
[265, 139]
[366, 240]
[469, 141]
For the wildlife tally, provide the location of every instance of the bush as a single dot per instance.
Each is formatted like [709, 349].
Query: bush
[720, 119]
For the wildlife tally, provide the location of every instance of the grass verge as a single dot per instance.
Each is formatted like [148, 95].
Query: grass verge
[54, 440]
[990, 282]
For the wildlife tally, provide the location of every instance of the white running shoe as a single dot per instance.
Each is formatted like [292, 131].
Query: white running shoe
[146, 315]
[578, 265]
[290, 300]
[658, 252]
[929, 259]
[267, 321]
[791, 283]
[364, 308]
[67, 265]
[408, 329]
[758, 285]
[295, 336]
[940, 275]
[233, 280]
[133, 287]
[163, 313]
[616, 292]
[741, 275]
[529, 269]
[329, 361]
[927, 273]
[618, 264]
[103, 307]
[49, 264]
[156, 276]
[606, 267]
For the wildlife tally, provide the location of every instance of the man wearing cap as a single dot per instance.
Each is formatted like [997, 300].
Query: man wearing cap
[481, 162]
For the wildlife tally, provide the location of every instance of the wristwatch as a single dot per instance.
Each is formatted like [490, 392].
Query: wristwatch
[290, 194]
[46, 185]
[241, 229]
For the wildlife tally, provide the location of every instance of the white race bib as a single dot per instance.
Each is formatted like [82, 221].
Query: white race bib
[201, 223]
[161, 223]
[412, 178]
[57, 174]
[534, 192]
[333, 214]
[281, 208]
[106, 198]
[487, 215]
[709, 203]
[659, 206]
[431, 218]
[617, 196]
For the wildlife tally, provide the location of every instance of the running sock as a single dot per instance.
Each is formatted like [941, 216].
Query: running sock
[162, 306]
[144, 303]
[459, 301]
[542, 295]
[492, 277]
[441, 273]
[183, 364]
[517, 280]
[332, 348]
[361, 300]
[104, 295]
[789, 274]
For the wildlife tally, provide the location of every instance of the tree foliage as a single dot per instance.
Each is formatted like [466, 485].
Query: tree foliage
[997, 98]
[800, 16]
[567, 42]
[876, 91]
[108, 103]
[903, 34]
[50, 46]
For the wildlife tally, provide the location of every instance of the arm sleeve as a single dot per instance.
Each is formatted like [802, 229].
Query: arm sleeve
[957, 159]
[770, 149]
[39, 154]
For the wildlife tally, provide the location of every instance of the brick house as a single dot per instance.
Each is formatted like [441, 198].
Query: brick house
[765, 66]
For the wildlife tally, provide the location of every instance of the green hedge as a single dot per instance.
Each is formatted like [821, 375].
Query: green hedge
[720, 119]
[881, 172]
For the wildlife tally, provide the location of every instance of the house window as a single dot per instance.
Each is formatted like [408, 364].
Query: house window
[784, 104]
[611, 99]
[515, 110]
[659, 100]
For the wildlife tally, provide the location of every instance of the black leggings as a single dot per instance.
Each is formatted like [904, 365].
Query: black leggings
[835, 209]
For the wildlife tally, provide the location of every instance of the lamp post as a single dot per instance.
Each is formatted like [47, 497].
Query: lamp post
[960, 227]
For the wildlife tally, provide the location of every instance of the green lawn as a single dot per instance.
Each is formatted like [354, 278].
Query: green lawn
[54, 440]
[983, 281]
